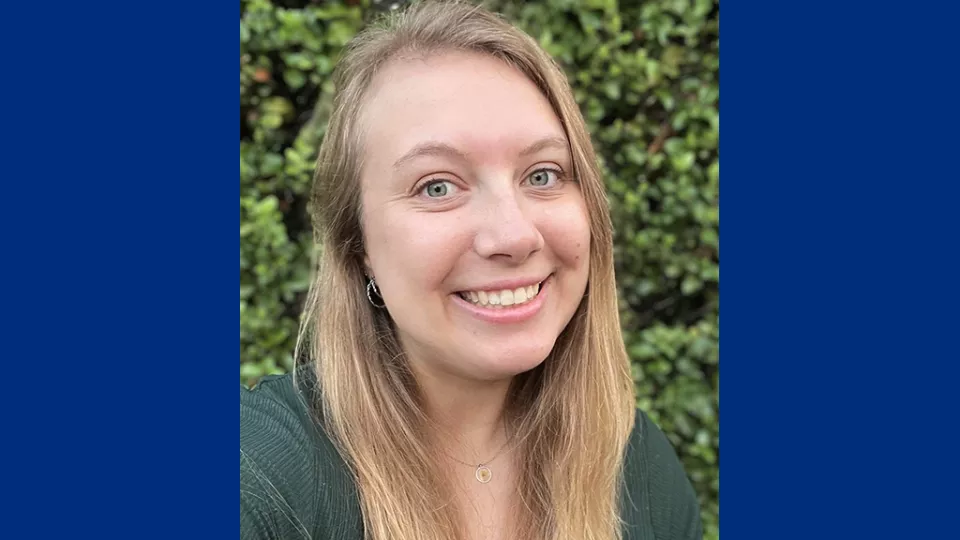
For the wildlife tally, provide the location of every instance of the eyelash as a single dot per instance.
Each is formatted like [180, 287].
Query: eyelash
[556, 172]
[421, 189]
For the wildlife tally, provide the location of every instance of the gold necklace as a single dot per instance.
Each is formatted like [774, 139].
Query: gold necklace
[483, 474]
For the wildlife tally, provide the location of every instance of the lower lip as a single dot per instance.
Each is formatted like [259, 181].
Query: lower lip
[510, 315]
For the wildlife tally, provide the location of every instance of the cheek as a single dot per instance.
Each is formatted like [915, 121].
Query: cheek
[567, 231]
[411, 252]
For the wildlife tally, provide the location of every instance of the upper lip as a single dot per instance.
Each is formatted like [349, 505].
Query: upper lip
[507, 284]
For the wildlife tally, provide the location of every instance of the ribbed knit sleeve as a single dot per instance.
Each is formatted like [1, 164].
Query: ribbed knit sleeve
[293, 484]
[660, 502]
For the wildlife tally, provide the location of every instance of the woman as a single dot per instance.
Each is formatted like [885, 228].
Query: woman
[468, 378]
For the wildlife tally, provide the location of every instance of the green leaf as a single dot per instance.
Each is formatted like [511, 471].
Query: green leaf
[272, 163]
[691, 284]
[299, 61]
[294, 78]
[683, 162]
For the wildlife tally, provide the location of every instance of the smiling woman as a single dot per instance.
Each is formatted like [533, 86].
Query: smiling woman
[467, 378]
[484, 201]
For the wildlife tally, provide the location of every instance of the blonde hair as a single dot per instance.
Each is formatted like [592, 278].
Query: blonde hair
[572, 415]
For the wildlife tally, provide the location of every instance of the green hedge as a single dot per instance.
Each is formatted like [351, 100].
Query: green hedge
[647, 78]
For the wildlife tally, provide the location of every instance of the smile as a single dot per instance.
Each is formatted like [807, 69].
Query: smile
[503, 298]
[504, 306]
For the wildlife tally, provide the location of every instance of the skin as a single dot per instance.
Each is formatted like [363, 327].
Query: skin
[470, 209]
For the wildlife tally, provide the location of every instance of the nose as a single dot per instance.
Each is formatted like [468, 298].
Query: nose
[507, 231]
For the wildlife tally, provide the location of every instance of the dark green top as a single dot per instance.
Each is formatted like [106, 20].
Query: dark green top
[294, 484]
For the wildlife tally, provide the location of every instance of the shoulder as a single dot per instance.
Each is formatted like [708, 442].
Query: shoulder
[275, 409]
[289, 469]
[277, 423]
[659, 497]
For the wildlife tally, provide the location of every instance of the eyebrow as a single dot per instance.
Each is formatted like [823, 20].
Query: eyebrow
[439, 149]
[559, 143]
[430, 149]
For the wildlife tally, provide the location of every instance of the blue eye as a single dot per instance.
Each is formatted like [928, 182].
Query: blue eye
[543, 178]
[438, 189]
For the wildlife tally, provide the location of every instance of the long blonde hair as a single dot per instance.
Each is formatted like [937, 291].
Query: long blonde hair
[572, 415]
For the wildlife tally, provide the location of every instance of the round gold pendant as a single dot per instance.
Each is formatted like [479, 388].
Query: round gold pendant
[484, 475]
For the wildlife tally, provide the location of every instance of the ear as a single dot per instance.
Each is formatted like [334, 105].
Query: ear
[367, 269]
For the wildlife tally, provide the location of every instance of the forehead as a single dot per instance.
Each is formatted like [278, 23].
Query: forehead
[471, 101]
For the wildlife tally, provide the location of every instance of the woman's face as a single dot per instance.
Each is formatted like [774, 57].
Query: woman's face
[476, 233]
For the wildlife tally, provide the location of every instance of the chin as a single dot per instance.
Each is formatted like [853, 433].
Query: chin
[507, 364]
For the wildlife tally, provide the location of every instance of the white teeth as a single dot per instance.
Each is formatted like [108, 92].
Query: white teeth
[504, 298]
[520, 295]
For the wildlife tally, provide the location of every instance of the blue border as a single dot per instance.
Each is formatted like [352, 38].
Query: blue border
[119, 199]
[838, 185]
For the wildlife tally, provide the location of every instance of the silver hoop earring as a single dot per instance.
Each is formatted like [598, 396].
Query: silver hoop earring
[371, 290]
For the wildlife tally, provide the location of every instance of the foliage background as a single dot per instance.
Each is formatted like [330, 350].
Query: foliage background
[646, 75]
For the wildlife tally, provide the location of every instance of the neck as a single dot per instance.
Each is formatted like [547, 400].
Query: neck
[468, 414]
